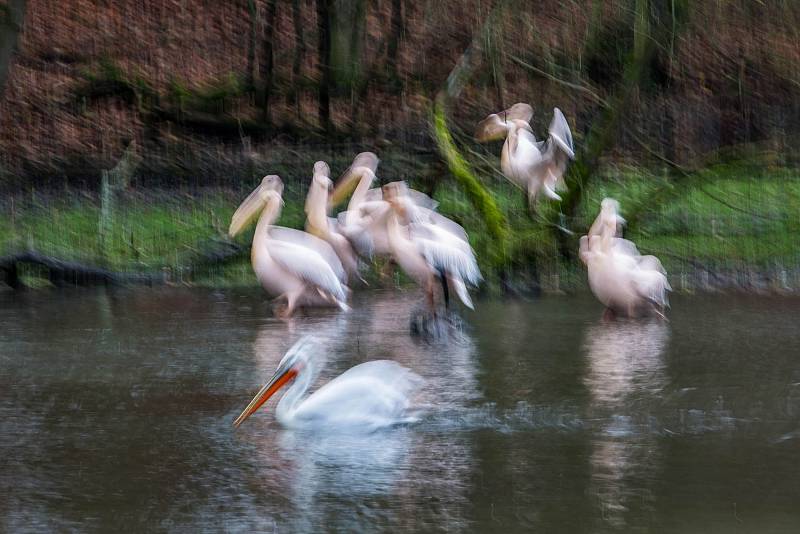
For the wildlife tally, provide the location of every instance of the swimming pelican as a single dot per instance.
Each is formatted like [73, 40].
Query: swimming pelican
[289, 263]
[619, 276]
[427, 245]
[366, 397]
[326, 228]
[535, 166]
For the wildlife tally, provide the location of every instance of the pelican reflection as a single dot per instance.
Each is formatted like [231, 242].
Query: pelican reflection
[626, 374]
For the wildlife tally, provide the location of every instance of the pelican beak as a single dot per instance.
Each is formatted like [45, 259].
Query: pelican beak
[246, 212]
[278, 380]
[254, 203]
[344, 187]
[363, 162]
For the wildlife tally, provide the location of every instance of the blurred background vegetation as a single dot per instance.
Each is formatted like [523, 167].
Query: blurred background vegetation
[130, 130]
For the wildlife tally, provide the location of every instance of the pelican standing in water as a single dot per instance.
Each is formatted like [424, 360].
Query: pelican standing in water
[626, 282]
[535, 166]
[430, 247]
[326, 228]
[289, 264]
[366, 397]
[366, 219]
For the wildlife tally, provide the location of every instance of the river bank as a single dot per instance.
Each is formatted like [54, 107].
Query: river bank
[734, 230]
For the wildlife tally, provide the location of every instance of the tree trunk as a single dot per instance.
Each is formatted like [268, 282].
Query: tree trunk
[324, 53]
[395, 34]
[347, 24]
[250, 76]
[12, 16]
[268, 59]
[299, 50]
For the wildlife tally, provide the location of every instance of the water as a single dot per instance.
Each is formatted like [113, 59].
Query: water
[116, 410]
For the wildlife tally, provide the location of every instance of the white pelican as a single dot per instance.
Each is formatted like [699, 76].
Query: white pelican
[366, 397]
[532, 165]
[319, 224]
[289, 263]
[429, 245]
[625, 281]
[365, 221]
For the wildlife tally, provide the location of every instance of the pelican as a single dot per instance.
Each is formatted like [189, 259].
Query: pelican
[366, 397]
[430, 246]
[319, 224]
[535, 166]
[289, 263]
[626, 282]
[365, 221]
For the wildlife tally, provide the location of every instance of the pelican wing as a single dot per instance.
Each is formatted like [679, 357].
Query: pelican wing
[561, 134]
[359, 237]
[446, 253]
[519, 111]
[651, 263]
[315, 244]
[417, 197]
[308, 265]
[623, 246]
[461, 290]
[368, 396]
[652, 285]
[440, 221]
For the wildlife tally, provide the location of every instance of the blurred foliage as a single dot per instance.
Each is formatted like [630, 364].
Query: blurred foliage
[670, 118]
[163, 229]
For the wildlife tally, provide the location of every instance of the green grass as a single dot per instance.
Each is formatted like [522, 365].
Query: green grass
[738, 219]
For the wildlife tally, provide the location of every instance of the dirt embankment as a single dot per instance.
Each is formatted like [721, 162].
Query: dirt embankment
[202, 86]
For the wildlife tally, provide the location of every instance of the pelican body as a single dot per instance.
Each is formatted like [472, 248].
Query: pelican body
[364, 398]
[289, 264]
[365, 222]
[427, 245]
[626, 282]
[535, 166]
[326, 228]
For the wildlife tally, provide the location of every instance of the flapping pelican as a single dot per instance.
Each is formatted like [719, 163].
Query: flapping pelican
[535, 166]
[365, 221]
[366, 397]
[625, 281]
[427, 245]
[289, 263]
[326, 228]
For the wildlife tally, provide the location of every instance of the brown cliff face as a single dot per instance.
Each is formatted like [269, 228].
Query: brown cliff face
[193, 82]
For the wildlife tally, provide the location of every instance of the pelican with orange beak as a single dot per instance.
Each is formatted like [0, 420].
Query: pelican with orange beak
[366, 397]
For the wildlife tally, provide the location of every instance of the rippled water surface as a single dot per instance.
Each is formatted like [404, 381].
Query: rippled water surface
[116, 411]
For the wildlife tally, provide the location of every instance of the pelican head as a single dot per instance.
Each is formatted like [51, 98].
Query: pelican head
[270, 187]
[292, 364]
[496, 125]
[322, 175]
[365, 163]
[609, 205]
